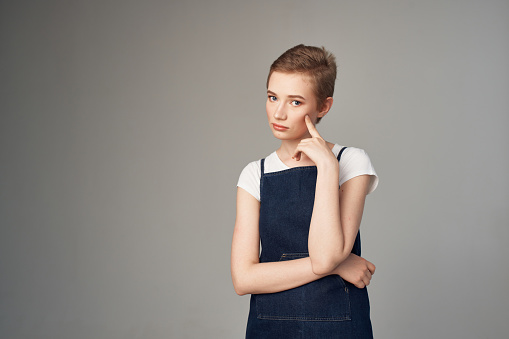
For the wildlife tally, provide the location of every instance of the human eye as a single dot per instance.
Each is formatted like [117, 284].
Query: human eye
[272, 98]
[296, 103]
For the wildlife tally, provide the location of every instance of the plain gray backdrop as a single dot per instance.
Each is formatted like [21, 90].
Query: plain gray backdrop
[125, 125]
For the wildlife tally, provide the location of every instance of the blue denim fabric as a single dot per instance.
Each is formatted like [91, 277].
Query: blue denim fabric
[326, 308]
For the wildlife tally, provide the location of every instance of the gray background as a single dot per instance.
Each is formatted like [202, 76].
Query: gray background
[125, 125]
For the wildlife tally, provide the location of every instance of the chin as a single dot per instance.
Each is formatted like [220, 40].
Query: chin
[281, 137]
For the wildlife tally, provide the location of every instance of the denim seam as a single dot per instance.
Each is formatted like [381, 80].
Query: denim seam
[300, 168]
[290, 255]
[268, 317]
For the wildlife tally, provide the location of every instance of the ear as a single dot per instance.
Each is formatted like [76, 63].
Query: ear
[326, 106]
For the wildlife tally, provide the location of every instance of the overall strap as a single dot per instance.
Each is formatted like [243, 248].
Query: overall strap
[339, 155]
[261, 177]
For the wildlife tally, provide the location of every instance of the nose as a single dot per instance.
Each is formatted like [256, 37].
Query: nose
[279, 112]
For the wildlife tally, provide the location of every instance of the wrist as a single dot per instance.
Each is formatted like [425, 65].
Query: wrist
[328, 166]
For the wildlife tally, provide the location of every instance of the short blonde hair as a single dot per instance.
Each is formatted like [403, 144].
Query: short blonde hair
[317, 63]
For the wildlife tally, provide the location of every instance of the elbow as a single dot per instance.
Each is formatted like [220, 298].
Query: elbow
[326, 265]
[242, 279]
[239, 290]
[239, 287]
[323, 268]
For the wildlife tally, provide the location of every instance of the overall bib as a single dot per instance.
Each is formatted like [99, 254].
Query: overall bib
[325, 308]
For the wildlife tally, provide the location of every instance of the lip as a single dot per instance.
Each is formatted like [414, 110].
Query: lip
[279, 127]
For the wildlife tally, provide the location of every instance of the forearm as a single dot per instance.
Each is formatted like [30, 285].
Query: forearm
[326, 240]
[271, 277]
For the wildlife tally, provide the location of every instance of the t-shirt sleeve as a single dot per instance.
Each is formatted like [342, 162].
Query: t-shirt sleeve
[249, 179]
[354, 162]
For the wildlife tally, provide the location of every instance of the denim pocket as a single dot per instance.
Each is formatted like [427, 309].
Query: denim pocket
[325, 299]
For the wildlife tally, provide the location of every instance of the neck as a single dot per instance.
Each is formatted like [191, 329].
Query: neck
[287, 148]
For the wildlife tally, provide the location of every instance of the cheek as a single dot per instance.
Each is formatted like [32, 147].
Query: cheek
[301, 122]
[302, 126]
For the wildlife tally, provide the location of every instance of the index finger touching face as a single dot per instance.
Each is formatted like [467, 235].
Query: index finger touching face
[311, 128]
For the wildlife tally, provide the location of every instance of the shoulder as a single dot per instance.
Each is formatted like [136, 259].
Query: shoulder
[354, 162]
[355, 154]
[249, 178]
[252, 169]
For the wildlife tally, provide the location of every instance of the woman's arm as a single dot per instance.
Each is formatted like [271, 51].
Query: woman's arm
[248, 274]
[336, 220]
[337, 213]
[251, 277]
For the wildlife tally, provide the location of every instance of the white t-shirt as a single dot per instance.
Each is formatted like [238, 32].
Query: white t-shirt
[354, 162]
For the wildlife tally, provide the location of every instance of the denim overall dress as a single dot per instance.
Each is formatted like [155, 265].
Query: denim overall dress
[325, 308]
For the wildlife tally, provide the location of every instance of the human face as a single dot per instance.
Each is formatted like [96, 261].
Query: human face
[290, 98]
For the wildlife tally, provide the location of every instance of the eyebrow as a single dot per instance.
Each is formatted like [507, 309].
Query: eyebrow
[290, 96]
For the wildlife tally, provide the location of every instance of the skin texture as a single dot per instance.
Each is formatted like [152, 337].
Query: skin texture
[336, 215]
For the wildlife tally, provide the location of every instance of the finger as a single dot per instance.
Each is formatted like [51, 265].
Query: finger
[299, 149]
[360, 284]
[311, 128]
[366, 278]
[296, 154]
[371, 267]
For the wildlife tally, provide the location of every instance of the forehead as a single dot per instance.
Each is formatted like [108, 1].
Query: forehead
[290, 84]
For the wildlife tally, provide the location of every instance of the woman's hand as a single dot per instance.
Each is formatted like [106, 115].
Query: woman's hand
[356, 270]
[315, 147]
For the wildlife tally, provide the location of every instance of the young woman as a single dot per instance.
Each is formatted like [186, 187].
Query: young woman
[305, 203]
